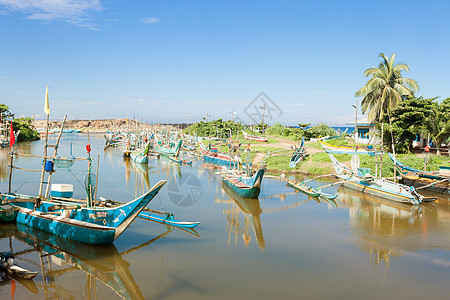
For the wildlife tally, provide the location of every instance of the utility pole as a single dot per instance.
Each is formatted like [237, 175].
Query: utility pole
[264, 112]
[232, 115]
[207, 116]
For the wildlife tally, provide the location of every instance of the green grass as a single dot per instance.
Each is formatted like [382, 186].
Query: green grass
[320, 163]
[283, 137]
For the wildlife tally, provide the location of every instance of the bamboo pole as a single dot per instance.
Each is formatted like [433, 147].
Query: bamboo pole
[96, 181]
[45, 158]
[10, 172]
[433, 183]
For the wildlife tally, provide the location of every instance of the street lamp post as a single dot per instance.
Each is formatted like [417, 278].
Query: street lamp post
[356, 122]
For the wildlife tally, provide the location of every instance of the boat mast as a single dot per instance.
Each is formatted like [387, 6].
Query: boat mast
[47, 112]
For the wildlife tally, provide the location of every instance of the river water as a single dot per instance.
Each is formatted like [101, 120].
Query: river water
[284, 245]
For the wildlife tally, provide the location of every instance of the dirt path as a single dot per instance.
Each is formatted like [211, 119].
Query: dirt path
[287, 144]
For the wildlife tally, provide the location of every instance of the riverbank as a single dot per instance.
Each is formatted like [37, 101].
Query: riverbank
[318, 162]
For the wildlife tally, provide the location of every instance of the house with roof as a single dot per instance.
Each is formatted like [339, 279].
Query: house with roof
[366, 132]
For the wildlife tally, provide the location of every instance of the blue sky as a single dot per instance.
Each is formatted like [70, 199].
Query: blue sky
[177, 60]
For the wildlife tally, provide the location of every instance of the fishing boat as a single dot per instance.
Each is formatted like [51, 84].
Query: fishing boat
[304, 188]
[172, 151]
[250, 137]
[347, 150]
[80, 223]
[364, 182]
[298, 155]
[140, 157]
[244, 186]
[75, 219]
[433, 181]
[213, 156]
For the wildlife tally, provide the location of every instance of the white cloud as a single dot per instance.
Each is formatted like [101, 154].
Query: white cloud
[71, 11]
[150, 20]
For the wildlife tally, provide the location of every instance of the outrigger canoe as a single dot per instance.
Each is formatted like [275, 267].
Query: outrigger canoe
[89, 225]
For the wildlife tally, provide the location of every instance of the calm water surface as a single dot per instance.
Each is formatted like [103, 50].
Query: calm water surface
[282, 246]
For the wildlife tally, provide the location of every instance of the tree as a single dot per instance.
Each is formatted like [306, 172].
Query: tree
[4, 111]
[407, 120]
[386, 88]
[437, 125]
[27, 133]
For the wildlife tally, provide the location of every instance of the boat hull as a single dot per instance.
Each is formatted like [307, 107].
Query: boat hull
[418, 182]
[380, 188]
[88, 235]
[328, 148]
[89, 225]
[248, 192]
[140, 159]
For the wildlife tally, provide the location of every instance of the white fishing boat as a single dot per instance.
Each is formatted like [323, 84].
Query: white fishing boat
[361, 180]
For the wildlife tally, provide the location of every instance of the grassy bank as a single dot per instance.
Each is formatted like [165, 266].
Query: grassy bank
[320, 163]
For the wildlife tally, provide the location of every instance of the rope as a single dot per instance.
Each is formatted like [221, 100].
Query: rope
[112, 179]
[76, 177]
[25, 181]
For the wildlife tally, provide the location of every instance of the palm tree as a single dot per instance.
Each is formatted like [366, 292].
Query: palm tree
[385, 89]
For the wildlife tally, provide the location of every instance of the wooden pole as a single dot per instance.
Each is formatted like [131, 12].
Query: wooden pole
[10, 172]
[45, 157]
[96, 176]
[393, 149]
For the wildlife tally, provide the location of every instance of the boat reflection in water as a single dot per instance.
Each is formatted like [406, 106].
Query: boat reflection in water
[58, 256]
[387, 229]
[251, 209]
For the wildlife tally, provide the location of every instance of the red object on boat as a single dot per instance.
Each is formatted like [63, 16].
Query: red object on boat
[88, 148]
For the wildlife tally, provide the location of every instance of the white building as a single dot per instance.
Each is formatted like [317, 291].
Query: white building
[366, 132]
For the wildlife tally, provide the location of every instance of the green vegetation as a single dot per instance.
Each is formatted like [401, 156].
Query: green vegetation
[319, 163]
[27, 133]
[295, 134]
[216, 128]
[417, 116]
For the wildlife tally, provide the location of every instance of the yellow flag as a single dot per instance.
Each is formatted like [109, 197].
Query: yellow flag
[46, 107]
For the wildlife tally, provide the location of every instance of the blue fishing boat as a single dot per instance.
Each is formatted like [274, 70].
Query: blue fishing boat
[212, 155]
[246, 187]
[299, 154]
[89, 225]
[140, 157]
[74, 219]
[172, 151]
